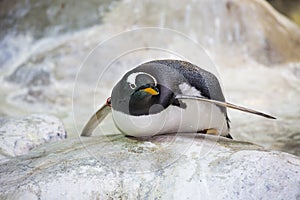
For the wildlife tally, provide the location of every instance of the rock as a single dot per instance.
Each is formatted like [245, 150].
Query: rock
[221, 25]
[163, 167]
[31, 75]
[21, 135]
[22, 23]
[41, 99]
[45, 18]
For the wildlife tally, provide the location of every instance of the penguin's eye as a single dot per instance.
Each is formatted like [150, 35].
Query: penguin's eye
[132, 86]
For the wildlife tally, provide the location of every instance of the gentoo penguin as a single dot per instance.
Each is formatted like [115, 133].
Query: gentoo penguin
[167, 96]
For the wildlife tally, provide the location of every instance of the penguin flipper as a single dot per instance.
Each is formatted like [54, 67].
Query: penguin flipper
[225, 104]
[95, 120]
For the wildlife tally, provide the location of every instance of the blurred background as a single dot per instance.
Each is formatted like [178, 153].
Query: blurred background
[255, 45]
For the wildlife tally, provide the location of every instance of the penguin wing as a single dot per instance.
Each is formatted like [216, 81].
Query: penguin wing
[95, 120]
[225, 104]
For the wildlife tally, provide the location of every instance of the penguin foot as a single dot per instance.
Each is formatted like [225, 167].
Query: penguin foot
[213, 131]
[210, 131]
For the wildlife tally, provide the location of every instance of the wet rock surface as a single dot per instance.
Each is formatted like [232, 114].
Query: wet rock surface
[172, 167]
[30, 76]
[260, 40]
[21, 135]
[54, 17]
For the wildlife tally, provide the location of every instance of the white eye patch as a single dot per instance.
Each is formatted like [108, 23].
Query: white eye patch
[131, 79]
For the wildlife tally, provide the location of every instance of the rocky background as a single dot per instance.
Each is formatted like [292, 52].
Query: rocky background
[46, 95]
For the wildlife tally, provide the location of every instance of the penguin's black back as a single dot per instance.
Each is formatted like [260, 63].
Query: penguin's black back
[204, 81]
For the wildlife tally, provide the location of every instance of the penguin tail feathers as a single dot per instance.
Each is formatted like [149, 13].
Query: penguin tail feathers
[225, 104]
[229, 136]
[95, 120]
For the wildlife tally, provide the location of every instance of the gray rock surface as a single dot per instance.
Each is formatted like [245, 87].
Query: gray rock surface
[221, 25]
[164, 167]
[31, 75]
[20, 135]
[53, 17]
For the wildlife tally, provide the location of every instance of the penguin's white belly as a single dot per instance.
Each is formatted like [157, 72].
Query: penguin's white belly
[195, 117]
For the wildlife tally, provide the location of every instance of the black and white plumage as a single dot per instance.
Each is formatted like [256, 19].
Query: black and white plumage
[167, 96]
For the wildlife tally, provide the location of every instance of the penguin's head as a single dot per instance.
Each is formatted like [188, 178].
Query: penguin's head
[136, 93]
[139, 99]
